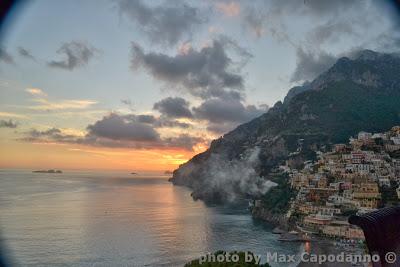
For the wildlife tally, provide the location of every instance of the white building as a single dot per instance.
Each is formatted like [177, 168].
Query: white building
[395, 139]
[364, 136]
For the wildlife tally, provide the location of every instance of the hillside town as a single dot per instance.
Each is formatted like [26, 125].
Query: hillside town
[353, 178]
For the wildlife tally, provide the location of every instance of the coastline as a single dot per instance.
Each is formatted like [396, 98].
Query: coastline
[324, 246]
[267, 216]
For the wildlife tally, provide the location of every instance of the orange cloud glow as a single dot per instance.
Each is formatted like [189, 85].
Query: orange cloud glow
[67, 156]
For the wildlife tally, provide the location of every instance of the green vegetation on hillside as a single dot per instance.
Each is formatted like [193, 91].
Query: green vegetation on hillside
[354, 95]
[343, 109]
[277, 198]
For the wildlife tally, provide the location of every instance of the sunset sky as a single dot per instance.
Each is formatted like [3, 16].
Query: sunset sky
[144, 85]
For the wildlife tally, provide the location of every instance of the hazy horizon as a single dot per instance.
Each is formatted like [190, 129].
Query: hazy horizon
[159, 81]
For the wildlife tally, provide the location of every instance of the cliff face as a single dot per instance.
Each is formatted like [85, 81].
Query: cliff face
[270, 217]
[353, 95]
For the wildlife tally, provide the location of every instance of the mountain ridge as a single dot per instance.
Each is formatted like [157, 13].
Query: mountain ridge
[356, 94]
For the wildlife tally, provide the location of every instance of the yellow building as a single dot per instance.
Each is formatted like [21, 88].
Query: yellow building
[342, 230]
[367, 194]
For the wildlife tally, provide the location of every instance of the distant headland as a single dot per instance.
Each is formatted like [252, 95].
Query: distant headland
[48, 171]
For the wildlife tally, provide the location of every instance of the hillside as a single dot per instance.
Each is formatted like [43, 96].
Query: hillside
[359, 94]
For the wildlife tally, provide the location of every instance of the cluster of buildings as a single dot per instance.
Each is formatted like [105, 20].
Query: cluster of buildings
[352, 178]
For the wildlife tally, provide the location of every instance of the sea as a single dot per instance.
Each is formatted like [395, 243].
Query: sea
[83, 218]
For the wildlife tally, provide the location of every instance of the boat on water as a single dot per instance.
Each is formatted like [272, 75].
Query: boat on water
[278, 231]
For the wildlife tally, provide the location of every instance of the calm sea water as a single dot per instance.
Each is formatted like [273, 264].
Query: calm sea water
[111, 219]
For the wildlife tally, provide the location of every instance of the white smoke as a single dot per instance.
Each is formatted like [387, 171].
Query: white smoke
[236, 178]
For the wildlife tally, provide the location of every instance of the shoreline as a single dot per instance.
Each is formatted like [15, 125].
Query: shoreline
[324, 246]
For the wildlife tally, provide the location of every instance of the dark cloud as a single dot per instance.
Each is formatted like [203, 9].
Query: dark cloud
[318, 8]
[173, 107]
[205, 73]
[255, 20]
[323, 7]
[183, 140]
[166, 23]
[50, 135]
[8, 124]
[221, 110]
[149, 119]
[325, 20]
[117, 127]
[25, 53]
[221, 128]
[5, 56]
[167, 123]
[258, 15]
[120, 131]
[352, 23]
[155, 122]
[331, 31]
[127, 102]
[223, 115]
[310, 64]
[312, 27]
[77, 54]
[49, 132]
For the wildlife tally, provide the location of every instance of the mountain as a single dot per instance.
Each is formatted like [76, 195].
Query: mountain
[358, 94]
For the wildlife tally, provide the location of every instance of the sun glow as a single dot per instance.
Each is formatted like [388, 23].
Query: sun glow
[67, 156]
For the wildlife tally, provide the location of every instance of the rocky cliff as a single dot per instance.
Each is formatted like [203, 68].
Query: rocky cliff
[362, 93]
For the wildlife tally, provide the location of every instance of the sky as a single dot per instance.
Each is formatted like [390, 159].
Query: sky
[145, 85]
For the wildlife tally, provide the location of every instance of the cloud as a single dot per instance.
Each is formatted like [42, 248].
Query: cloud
[315, 26]
[221, 109]
[5, 56]
[231, 9]
[226, 110]
[8, 124]
[77, 54]
[35, 92]
[221, 128]
[331, 31]
[155, 122]
[174, 107]
[116, 127]
[127, 102]
[25, 53]
[224, 115]
[44, 104]
[185, 141]
[139, 131]
[165, 23]
[204, 73]
[255, 19]
[164, 122]
[320, 8]
[310, 64]
[12, 115]
[54, 134]
[118, 131]
[319, 20]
